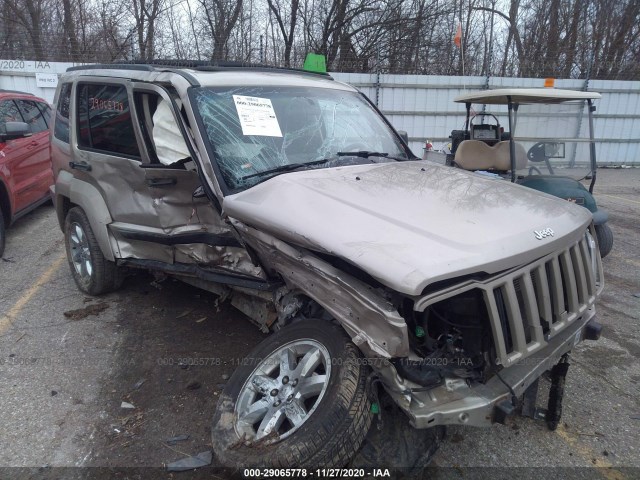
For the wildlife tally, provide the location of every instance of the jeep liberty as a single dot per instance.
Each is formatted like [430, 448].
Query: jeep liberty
[289, 194]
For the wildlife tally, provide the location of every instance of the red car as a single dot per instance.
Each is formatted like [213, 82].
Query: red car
[25, 156]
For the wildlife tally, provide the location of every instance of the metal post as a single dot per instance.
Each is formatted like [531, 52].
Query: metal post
[261, 51]
[512, 144]
[377, 75]
[490, 56]
[592, 146]
[585, 87]
[466, 125]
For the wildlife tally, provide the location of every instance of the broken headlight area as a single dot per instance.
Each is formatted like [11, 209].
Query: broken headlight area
[451, 338]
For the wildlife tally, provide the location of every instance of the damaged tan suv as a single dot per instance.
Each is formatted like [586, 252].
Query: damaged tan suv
[291, 195]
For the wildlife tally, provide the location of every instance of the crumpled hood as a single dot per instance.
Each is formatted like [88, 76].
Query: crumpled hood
[409, 224]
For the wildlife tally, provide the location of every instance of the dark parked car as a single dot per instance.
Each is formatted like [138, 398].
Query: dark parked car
[25, 156]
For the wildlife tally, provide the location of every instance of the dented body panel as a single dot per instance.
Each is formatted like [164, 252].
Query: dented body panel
[373, 323]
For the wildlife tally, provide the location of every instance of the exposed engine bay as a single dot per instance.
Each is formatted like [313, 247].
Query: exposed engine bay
[453, 338]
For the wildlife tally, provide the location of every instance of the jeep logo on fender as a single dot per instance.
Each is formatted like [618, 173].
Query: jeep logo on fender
[540, 234]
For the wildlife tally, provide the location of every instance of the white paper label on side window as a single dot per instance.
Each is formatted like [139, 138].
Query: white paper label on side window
[257, 116]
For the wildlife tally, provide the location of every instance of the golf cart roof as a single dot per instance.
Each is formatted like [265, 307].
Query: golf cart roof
[525, 95]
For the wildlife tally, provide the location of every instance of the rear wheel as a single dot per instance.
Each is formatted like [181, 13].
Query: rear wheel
[605, 239]
[92, 272]
[298, 400]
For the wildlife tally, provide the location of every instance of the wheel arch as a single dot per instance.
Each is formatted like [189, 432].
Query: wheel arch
[84, 195]
[5, 203]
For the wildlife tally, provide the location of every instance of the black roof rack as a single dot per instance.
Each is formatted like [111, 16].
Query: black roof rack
[2, 90]
[200, 65]
[111, 66]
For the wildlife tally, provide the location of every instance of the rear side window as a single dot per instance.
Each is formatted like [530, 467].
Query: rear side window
[32, 115]
[104, 120]
[8, 113]
[61, 129]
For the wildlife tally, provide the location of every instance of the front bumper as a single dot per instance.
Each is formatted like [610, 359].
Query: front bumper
[458, 403]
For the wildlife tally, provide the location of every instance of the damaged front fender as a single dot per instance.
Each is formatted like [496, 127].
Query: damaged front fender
[373, 323]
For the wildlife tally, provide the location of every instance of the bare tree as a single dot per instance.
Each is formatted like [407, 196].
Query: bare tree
[286, 20]
[562, 38]
[221, 18]
[30, 15]
[145, 14]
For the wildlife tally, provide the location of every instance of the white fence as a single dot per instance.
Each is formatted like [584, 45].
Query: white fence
[422, 105]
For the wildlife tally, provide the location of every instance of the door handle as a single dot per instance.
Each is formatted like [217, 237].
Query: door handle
[80, 166]
[161, 182]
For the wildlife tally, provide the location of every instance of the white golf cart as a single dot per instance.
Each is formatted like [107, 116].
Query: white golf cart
[549, 145]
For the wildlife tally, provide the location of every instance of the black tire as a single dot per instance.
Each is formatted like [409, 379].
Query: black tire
[104, 276]
[2, 233]
[331, 433]
[605, 239]
[393, 443]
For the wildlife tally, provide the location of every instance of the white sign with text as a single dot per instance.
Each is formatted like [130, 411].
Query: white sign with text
[46, 80]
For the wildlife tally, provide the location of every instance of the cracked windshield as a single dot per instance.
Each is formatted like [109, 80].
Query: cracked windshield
[258, 132]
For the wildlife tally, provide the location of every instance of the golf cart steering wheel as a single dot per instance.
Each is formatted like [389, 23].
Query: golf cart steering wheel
[539, 153]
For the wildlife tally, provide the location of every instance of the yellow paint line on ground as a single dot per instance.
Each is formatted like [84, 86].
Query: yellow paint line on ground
[604, 468]
[618, 198]
[7, 319]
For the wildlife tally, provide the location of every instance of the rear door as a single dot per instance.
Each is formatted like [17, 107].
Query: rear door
[108, 154]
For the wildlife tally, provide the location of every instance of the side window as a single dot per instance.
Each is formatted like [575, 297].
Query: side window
[32, 116]
[9, 113]
[61, 129]
[161, 134]
[45, 109]
[104, 120]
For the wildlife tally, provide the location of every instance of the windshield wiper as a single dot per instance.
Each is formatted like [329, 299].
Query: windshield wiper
[287, 168]
[367, 154]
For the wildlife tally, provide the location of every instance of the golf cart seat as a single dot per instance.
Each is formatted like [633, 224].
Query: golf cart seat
[477, 155]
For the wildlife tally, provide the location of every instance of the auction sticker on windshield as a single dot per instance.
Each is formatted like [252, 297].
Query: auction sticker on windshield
[257, 116]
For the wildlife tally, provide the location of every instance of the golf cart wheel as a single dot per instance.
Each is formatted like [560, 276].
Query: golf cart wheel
[2, 233]
[91, 271]
[298, 400]
[605, 239]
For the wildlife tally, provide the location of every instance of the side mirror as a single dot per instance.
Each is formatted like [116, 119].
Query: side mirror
[404, 136]
[14, 130]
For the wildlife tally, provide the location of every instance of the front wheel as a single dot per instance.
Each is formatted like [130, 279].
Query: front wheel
[298, 400]
[92, 272]
[605, 239]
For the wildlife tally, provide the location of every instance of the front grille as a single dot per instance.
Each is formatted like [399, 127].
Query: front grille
[529, 306]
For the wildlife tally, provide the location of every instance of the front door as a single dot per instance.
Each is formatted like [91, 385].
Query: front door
[25, 161]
